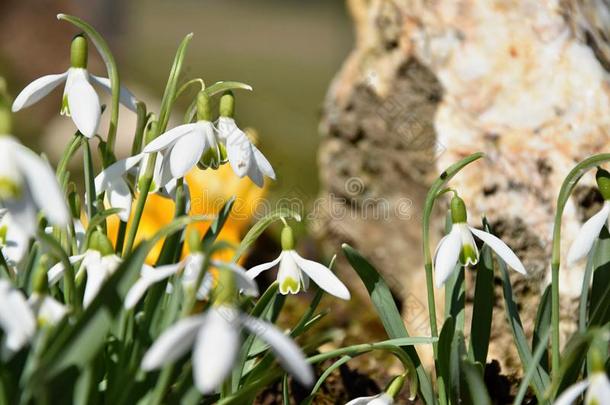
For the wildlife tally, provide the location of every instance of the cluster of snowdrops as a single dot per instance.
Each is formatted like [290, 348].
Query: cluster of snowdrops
[84, 318]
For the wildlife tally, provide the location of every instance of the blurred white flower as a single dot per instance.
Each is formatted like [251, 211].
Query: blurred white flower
[46, 309]
[588, 233]
[28, 186]
[79, 99]
[459, 245]
[16, 318]
[191, 267]
[598, 391]
[98, 267]
[379, 399]
[215, 339]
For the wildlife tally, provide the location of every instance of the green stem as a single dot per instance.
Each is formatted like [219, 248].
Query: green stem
[142, 120]
[437, 187]
[67, 155]
[564, 194]
[120, 237]
[145, 182]
[89, 178]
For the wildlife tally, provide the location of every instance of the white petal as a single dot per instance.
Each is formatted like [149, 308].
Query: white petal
[287, 352]
[599, 389]
[16, 318]
[185, 153]
[571, 394]
[322, 276]
[57, 271]
[379, 399]
[173, 343]
[239, 152]
[447, 255]
[216, 349]
[115, 171]
[262, 163]
[98, 271]
[588, 234]
[242, 279]
[167, 138]
[255, 174]
[125, 96]
[36, 90]
[256, 270]
[119, 196]
[289, 275]
[501, 249]
[84, 103]
[16, 242]
[149, 276]
[47, 309]
[43, 185]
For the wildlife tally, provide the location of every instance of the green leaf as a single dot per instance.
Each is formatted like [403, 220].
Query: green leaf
[540, 351]
[443, 359]
[573, 357]
[214, 230]
[388, 313]
[342, 360]
[542, 326]
[482, 307]
[477, 391]
[260, 227]
[540, 380]
[583, 305]
[599, 310]
[78, 344]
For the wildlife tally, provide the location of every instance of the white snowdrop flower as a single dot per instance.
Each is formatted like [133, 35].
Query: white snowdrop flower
[598, 391]
[459, 245]
[589, 232]
[13, 241]
[80, 100]
[46, 309]
[379, 399]
[215, 341]
[188, 145]
[190, 268]
[294, 271]
[99, 262]
[16, 318]
[28, 186]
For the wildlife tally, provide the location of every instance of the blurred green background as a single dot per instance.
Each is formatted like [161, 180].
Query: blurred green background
[288, 50]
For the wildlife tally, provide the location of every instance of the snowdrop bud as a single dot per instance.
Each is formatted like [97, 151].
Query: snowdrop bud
[395, 386]
[225, 292]
[78, 52]
[40, 284]
[227, 104]
[287, 238]
[458, 210]
[204, 111]
[603, 182]
[100, 242]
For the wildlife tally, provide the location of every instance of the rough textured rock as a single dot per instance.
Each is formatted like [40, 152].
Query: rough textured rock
[522, 80]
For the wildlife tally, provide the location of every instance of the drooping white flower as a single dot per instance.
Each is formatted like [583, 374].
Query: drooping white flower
[215, 339]
[46, 309]
[99, 267]
[184, 146]
[13, 240]
[28, 186]
[294, 272]
[590, 230]
[79, 99]
[190, 267]
[113, 182]
[245, 158]
[459, 245]
[16, 318]
[598, 391]
[379, 399]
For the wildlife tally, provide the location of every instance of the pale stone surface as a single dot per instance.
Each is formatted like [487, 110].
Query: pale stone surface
[517, 83]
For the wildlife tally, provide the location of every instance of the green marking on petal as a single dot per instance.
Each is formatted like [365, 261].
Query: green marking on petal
[289, 285]
[3, 232]
[9, 189]
[468, 255]
[65, 109]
